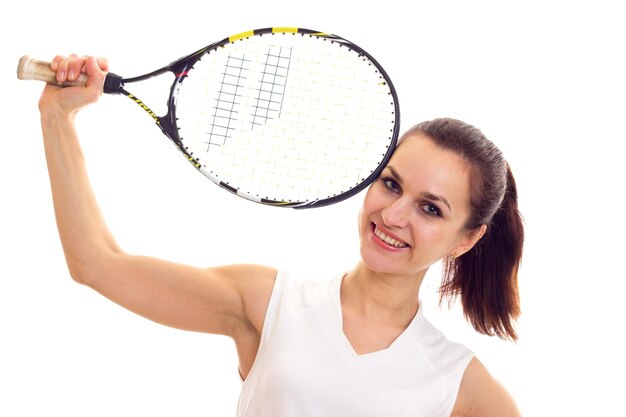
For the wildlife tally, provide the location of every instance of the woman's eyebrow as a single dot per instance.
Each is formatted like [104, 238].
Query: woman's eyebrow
[395, 173]
[425, 194]
[434, 197]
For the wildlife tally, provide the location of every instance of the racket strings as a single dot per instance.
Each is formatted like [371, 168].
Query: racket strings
[272, 89]
[297, 118]
[226, 105]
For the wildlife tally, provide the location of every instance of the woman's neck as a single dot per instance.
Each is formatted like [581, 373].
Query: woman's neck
[382, 297]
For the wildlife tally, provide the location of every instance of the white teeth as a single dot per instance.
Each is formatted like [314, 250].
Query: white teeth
[391, 241]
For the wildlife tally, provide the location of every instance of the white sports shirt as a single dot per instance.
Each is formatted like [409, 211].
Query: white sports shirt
[306, 367]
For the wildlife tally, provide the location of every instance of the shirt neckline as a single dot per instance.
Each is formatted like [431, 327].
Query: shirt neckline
[334, 299]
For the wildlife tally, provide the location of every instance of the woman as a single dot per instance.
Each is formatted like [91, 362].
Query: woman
[355, 345]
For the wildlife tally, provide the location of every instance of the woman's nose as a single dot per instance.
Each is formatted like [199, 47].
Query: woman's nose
[397, 214]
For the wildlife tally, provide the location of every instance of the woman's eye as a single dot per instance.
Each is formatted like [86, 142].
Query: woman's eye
[391, 185]
[431, 210]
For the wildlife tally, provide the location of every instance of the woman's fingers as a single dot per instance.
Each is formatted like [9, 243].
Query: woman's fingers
[69, 68]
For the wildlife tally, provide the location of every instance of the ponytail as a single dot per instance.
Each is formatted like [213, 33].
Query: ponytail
[486, 276]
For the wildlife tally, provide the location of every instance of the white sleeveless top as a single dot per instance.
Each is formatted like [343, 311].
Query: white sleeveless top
[306, 367]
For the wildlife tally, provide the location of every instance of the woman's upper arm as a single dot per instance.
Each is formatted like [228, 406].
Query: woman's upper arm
[481, 395]
[213, 300]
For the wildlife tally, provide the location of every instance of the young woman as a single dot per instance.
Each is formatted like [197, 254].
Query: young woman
[353, 345]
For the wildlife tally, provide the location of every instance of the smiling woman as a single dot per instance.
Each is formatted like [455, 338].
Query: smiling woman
[420, 200]
[356, 344]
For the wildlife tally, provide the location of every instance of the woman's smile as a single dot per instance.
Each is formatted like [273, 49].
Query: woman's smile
[387, 240]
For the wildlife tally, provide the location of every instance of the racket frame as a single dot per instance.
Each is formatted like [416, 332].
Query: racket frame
[114, 84]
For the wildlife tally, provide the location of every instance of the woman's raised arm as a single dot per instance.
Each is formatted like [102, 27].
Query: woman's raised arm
[229, 300]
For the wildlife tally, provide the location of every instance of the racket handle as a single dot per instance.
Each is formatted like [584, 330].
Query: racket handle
[32, 69]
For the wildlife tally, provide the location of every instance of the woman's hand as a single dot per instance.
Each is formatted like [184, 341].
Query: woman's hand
[68, 100]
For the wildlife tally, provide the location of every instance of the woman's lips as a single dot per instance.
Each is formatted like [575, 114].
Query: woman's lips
[387, 238]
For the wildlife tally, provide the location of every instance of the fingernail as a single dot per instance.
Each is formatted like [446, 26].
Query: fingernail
[70, 76]
[61, 76]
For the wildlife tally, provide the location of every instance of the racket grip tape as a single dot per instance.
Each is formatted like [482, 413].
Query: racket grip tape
[33, 69]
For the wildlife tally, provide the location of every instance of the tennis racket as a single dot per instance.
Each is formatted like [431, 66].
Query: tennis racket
[288, 117]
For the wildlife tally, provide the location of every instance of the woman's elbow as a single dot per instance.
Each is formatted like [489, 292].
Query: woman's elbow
[89, 271]
[75, 274]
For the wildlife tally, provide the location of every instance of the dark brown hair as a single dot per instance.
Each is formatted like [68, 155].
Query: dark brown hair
[486, 276]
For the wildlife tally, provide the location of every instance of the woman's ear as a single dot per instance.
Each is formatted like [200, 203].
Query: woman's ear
[469, 241]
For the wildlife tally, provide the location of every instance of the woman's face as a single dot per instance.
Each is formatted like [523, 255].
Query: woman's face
[414, 213]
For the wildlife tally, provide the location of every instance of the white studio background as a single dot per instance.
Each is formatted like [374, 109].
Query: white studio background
[544, 80]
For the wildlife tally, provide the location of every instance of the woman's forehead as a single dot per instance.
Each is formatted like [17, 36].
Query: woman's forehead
[425, 166]
[419, 150]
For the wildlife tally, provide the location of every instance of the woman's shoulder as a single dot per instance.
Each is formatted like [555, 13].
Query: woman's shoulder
[254, 284]
[480, 394]
[448, 356]
[299, 290]
[264, 287]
